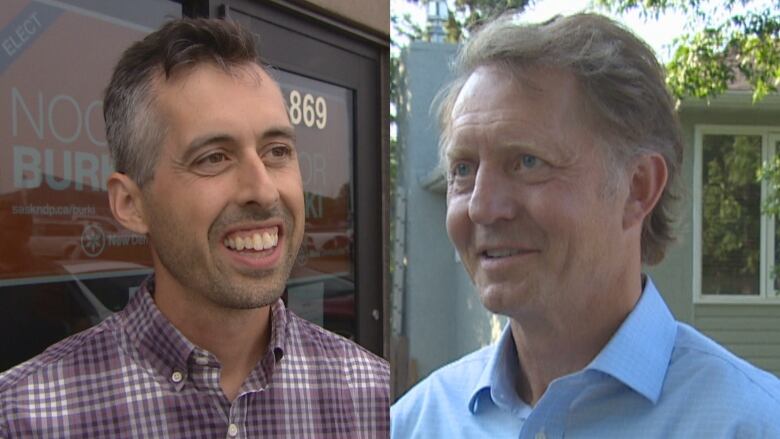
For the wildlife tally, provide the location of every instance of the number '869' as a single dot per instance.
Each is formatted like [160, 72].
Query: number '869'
[311, 110]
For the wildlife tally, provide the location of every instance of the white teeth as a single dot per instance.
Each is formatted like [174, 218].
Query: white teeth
[501, 253]
[257, 241]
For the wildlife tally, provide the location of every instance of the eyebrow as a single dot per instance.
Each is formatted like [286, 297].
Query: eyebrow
[463, 150]
[198, 143]
[455, 150]
[283, 131]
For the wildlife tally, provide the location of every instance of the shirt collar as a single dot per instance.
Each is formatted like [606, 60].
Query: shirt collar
[159, 344]
[279, 329]
[638, 354]
[497, 380]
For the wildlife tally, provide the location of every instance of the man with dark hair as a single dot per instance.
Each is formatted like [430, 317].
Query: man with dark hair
[207, 169]
[561, 149]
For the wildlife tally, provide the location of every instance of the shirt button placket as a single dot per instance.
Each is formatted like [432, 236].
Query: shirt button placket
[236, 427]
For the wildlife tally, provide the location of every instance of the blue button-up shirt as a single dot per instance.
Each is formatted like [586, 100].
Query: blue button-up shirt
[656, 378]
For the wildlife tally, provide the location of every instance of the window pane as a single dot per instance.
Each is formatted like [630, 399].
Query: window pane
[775, 272]
[65, 263]
[321, 287]
[731, 211]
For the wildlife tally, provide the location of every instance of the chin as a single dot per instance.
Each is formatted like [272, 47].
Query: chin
[249, 300]
[503, 299]
[245, 293]
[494, 299]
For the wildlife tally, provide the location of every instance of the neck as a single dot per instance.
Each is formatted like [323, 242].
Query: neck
[237, 337]
[556, 343]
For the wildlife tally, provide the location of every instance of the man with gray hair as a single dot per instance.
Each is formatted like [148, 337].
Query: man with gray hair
[561, 149]
[207, 169]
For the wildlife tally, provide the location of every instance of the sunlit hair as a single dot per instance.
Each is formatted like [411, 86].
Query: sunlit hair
[622, 86]
[134, 129]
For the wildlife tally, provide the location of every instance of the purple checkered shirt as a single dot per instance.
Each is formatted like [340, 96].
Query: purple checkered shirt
[135, 375]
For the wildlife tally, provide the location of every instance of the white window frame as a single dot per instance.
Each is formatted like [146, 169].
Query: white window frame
[767, 294]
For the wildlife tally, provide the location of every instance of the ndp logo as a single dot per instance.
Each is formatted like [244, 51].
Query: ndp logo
[93, 240]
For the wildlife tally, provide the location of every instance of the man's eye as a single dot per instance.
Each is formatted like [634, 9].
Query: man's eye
[529, 161]
[211, 159]
[280, 151]
[461, 170]
[278, 155]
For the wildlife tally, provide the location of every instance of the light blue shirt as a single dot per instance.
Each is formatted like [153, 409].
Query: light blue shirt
[656, 378]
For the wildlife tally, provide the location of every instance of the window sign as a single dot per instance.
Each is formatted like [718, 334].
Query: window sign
[65, 263]
[321, 288]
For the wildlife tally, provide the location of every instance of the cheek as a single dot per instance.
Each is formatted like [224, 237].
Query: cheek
[290, 189]
[577, 225]
[197, 208]
[457, 222]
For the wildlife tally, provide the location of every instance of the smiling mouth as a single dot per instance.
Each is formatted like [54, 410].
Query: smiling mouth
[503, 253]
[253, 240]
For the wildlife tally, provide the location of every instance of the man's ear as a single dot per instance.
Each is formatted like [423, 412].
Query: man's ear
[647, 179]
[126, 201]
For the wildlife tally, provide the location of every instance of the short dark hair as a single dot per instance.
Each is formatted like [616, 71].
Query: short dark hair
[133, 129]
[621, 82]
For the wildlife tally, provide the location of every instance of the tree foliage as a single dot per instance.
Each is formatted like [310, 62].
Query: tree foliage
[726, 42]
[462, 16]
[469, 13]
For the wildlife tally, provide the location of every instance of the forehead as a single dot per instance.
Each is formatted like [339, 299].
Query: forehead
[207, 99]
[495, 105]
[208, 82]
[490, 88]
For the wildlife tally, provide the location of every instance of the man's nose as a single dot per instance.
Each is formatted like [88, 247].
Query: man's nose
[256, 183]
[493, 197]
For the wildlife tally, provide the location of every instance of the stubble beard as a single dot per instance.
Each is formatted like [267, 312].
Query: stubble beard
[212, 278]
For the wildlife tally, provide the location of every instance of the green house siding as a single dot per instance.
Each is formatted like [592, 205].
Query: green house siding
[752, 332]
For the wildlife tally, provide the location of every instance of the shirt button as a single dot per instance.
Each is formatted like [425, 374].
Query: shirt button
[232, 430]
[177, 376]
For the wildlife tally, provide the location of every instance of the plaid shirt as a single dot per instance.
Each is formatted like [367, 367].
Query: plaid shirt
[135, 375]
